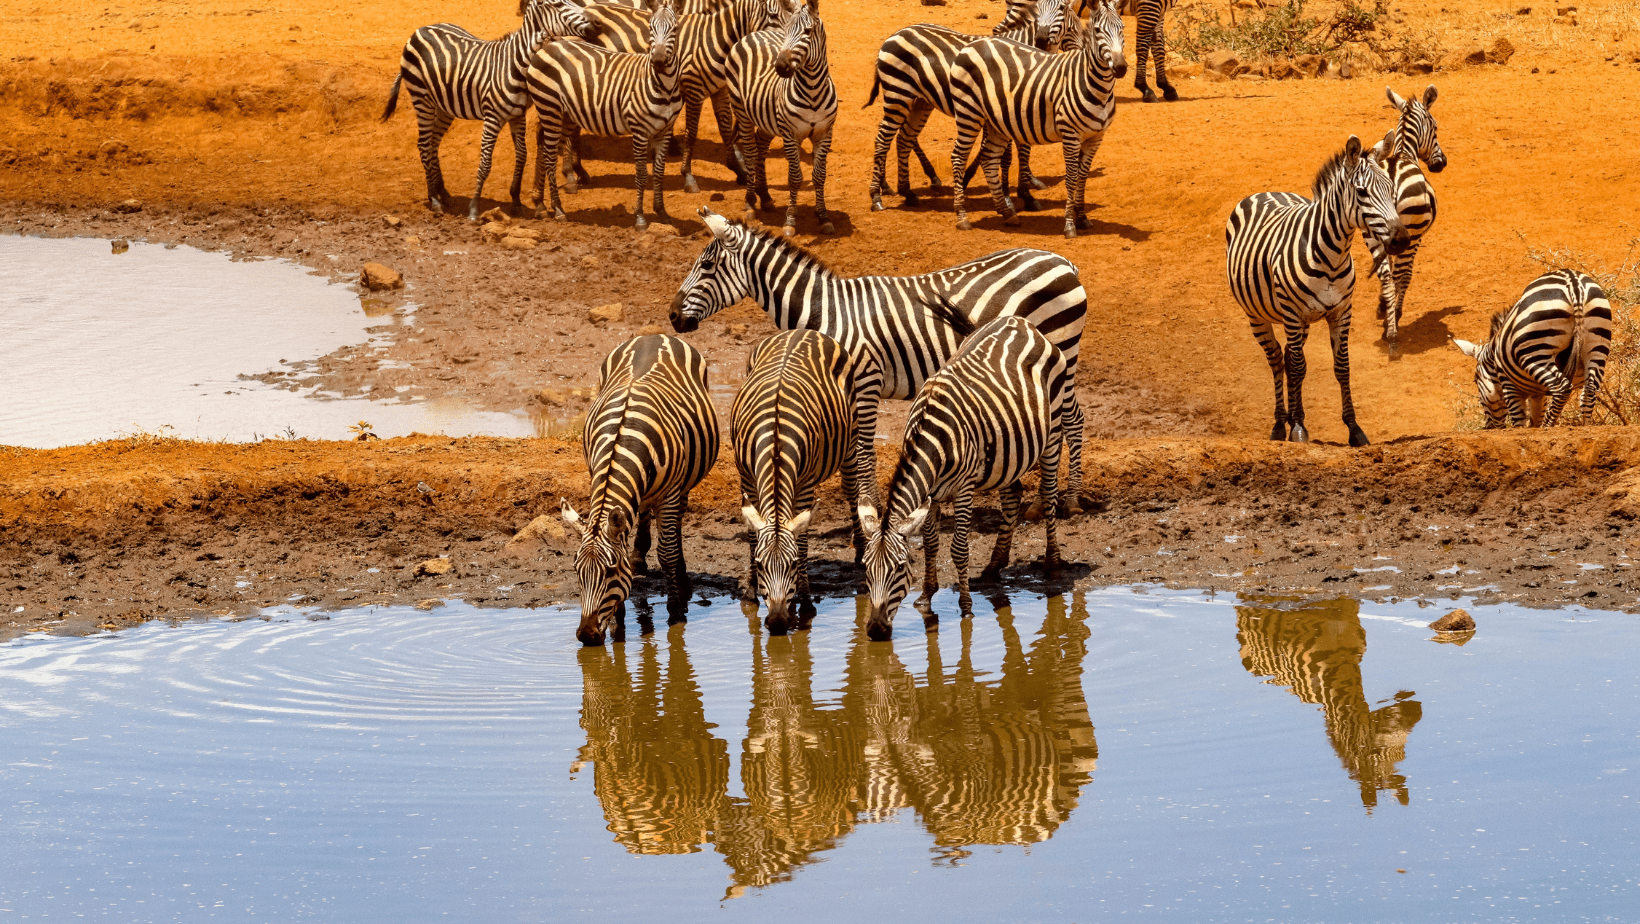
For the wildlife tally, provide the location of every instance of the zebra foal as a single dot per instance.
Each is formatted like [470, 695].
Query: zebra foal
[1412, 140]
[985, 420]
[452, 74]
[651, 436]
[580, 87]
[793, 425]
[1289, 265]
[1554, 341]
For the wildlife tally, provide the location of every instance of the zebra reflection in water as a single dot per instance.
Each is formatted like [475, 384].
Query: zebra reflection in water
[1315, 651]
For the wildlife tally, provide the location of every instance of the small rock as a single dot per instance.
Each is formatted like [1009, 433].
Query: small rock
[496, 214]
[543, 533]
[550, 396]
[533, 234]
[1187, 69]
[664, 230]
[982, 15]
[434, 566]
[1524, 11]
[1565, 10]
[933, 2]
[1570, 19]
[412, 242]
[121, 246]
[378, 278]
[715, 197]
[1421, 66]
[1346, 71]
[650, 330]
[429, 603]
[604, 314]
[128, 206]
[518, 243]
[1311, 66]
[1282, 70]
[1501, 51]
[1455, 621]
[1224, 62]
[494, 231]
[740, 331]
[590, 261]
[391, 221]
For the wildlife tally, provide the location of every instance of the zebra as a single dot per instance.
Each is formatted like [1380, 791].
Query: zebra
[994, 412]
[1412, 140]
[607, 93]
[912, 324]
[1149, 40]
[780, 87]
[914, 76]
[1011, 92]
[650, 437]
[453, 74]
[1289, 265]
[1555, 339]
[793, 424]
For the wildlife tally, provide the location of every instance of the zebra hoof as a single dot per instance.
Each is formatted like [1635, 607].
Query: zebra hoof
[749, 215]
[876, 204]
[1070, 231]
[690, 186]
[991, 575]
[1299, 434]
[641, 223]
[1029, 204]
[1170, 94]
[789, 230]
[1150, 97]
[558, 215]
[1358, 438]
[1278, 433]
[1012, 220]
[963, 225]
[1038, 184]
[828, 228]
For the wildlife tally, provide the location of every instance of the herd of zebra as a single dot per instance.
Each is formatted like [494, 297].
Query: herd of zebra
[986, 350]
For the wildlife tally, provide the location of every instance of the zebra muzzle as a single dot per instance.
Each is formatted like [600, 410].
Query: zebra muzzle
[681, 322]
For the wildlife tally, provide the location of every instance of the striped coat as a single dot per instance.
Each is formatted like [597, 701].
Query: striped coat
[1553, 342]
[651, 435]
[994, 412]
[1412, 140]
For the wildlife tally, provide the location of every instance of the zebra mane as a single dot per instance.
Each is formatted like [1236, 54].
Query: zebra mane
[1331, 170]
[808, 257]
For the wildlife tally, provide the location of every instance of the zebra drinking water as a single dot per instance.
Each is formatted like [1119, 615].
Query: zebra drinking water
[983, 421]
[1554, 341]
[452, 74]
[1412, 140]
[1289, 264]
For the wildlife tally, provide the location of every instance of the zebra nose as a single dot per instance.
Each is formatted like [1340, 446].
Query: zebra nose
[681, 323]
[591, 636]
[1121, 69]
[1399, 240]
[1438, 164]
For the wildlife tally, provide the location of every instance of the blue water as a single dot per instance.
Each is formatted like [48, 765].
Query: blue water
[1161, 756]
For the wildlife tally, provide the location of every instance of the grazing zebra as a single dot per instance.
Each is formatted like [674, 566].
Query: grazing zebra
[914, 76]
[1010, 92]
[650, 437]
[453, 74]
[1289, 264]
[780, 86]
[912, 324]
[993, 413]
[1552, 343]
[1412, 140]
[600, 91]
[795, 422]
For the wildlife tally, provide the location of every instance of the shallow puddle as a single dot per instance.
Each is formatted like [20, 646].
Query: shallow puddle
[1167, 756]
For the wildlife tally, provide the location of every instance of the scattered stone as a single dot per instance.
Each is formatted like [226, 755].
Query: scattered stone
[128, 207]
[533, 234]
[664, 230]
[650, 330]
[494, 231]
[518, 243]
[1187, 69]
[604, 314]
[982, 15]
[1421, 66]
[1226, 63]
[392, 221]
[121, 246]
[1455, 621]
[434, 566]
[590, 261]
[544, 533]
[109, 150]
[740, 331]
[429, 603]
[1310, 66]
[413, 242]
[1524, 11]
[496, 214]
[1569, 19]
[1281, 69]
[715, 197]
[1474, 55]
[933, 2]
[379, 278]
[1501, 51]
[1565, 10]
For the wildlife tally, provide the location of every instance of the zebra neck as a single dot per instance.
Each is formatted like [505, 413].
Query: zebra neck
[1091, 72]
[929, 460]
[790, 285]
[1406, 143]
[1331, 212]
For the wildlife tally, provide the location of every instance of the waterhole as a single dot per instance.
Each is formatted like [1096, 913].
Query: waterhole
[1159, 755]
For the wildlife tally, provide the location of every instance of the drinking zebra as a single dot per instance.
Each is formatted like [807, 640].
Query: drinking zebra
[606, 93]
[1554, 341]
[780, 86]
[983, 421]
[1412, 140]
[914, 76]
[796, 421]
[912, 324]
[1010, 92]
[452, 74]
[1289, 265]
[650, 437]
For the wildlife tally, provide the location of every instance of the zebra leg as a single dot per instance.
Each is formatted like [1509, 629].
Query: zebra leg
[868, 391]
[794, 179]
[1027, 202]
[1075, 176]
[1075, 423]
[887, 131]
[822, 149]
[576, 174]
[678, 586]
[691, 129]
[548, 139]
[960, 534]
[641, 544]
[431, 128]
[1593, 373]
[660, 146]
[520, 154]
[1010, 497]
[1264, 333]
[1293, 357]
[1141, 52]
[723, 112]
[1385, 271]
[640, 166]
[922, 156]
[1402, 274]
[1514, 403]
[931, 550]
[991, 150]
[1026, 175]
[805, 601]
[1556, 385]
[1338, 329]
[967, 132]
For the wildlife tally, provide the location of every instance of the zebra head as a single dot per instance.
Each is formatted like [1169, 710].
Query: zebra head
[1417, 128]
[719, 278]
[887, 560]
[777, 563]
[1018, 14]
[805, 39]
[1486, 384]
[1102, 39]
[1374, 209]
[1049, 16]
[663, 34]
[604, 565]
[555, 18]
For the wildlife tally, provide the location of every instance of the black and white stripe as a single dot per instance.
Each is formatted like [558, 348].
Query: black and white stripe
[795, 423]
[1149, 41]
[1412, 140]
[912, 324]
[1005, 91]
[580, 87]
[452, 74]
[983, 421]
[780, 86]
[1289, 265]
[1554, 341]
[650, 437]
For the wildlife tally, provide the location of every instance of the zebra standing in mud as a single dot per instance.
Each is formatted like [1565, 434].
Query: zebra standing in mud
[983, 421]
[1554, 340]
[795, 422]
[914, 76]
[780, 86]
[912, 324]
[605, 93]
[1010, 92]
[651, 436]
[1412, 140]
[453, 74]
[1289, 264]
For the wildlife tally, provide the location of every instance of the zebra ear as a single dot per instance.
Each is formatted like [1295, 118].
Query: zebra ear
[617, 522]
[1396, 101]
[800, 522]
[715, 223]
[914, 522]
[753, 518]
[869, 524]
[1429, 96]
[570, 516]
[1469, 349]
[1383, 149]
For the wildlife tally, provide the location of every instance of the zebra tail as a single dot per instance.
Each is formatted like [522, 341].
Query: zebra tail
[393, 97]
[876, 83]
[942, 308]
[1575, 358]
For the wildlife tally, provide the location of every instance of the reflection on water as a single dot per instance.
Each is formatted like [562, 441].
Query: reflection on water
[1315, 650]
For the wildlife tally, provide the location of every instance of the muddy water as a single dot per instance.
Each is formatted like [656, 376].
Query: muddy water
[99, 344]
[1164, 756]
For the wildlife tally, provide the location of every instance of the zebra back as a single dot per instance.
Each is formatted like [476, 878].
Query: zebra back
[782, 77]
[605, 92]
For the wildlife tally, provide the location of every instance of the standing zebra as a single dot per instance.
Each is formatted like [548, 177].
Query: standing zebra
[914, 76]
[1011, 92]
[984, 421]
[1289, 264]
[1552, 343]
[795, 422]
[453, 74]
[1149, 40]
[780, 86]
[912, 324]
[1412, 140]
[593, 89]
[650, 437]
